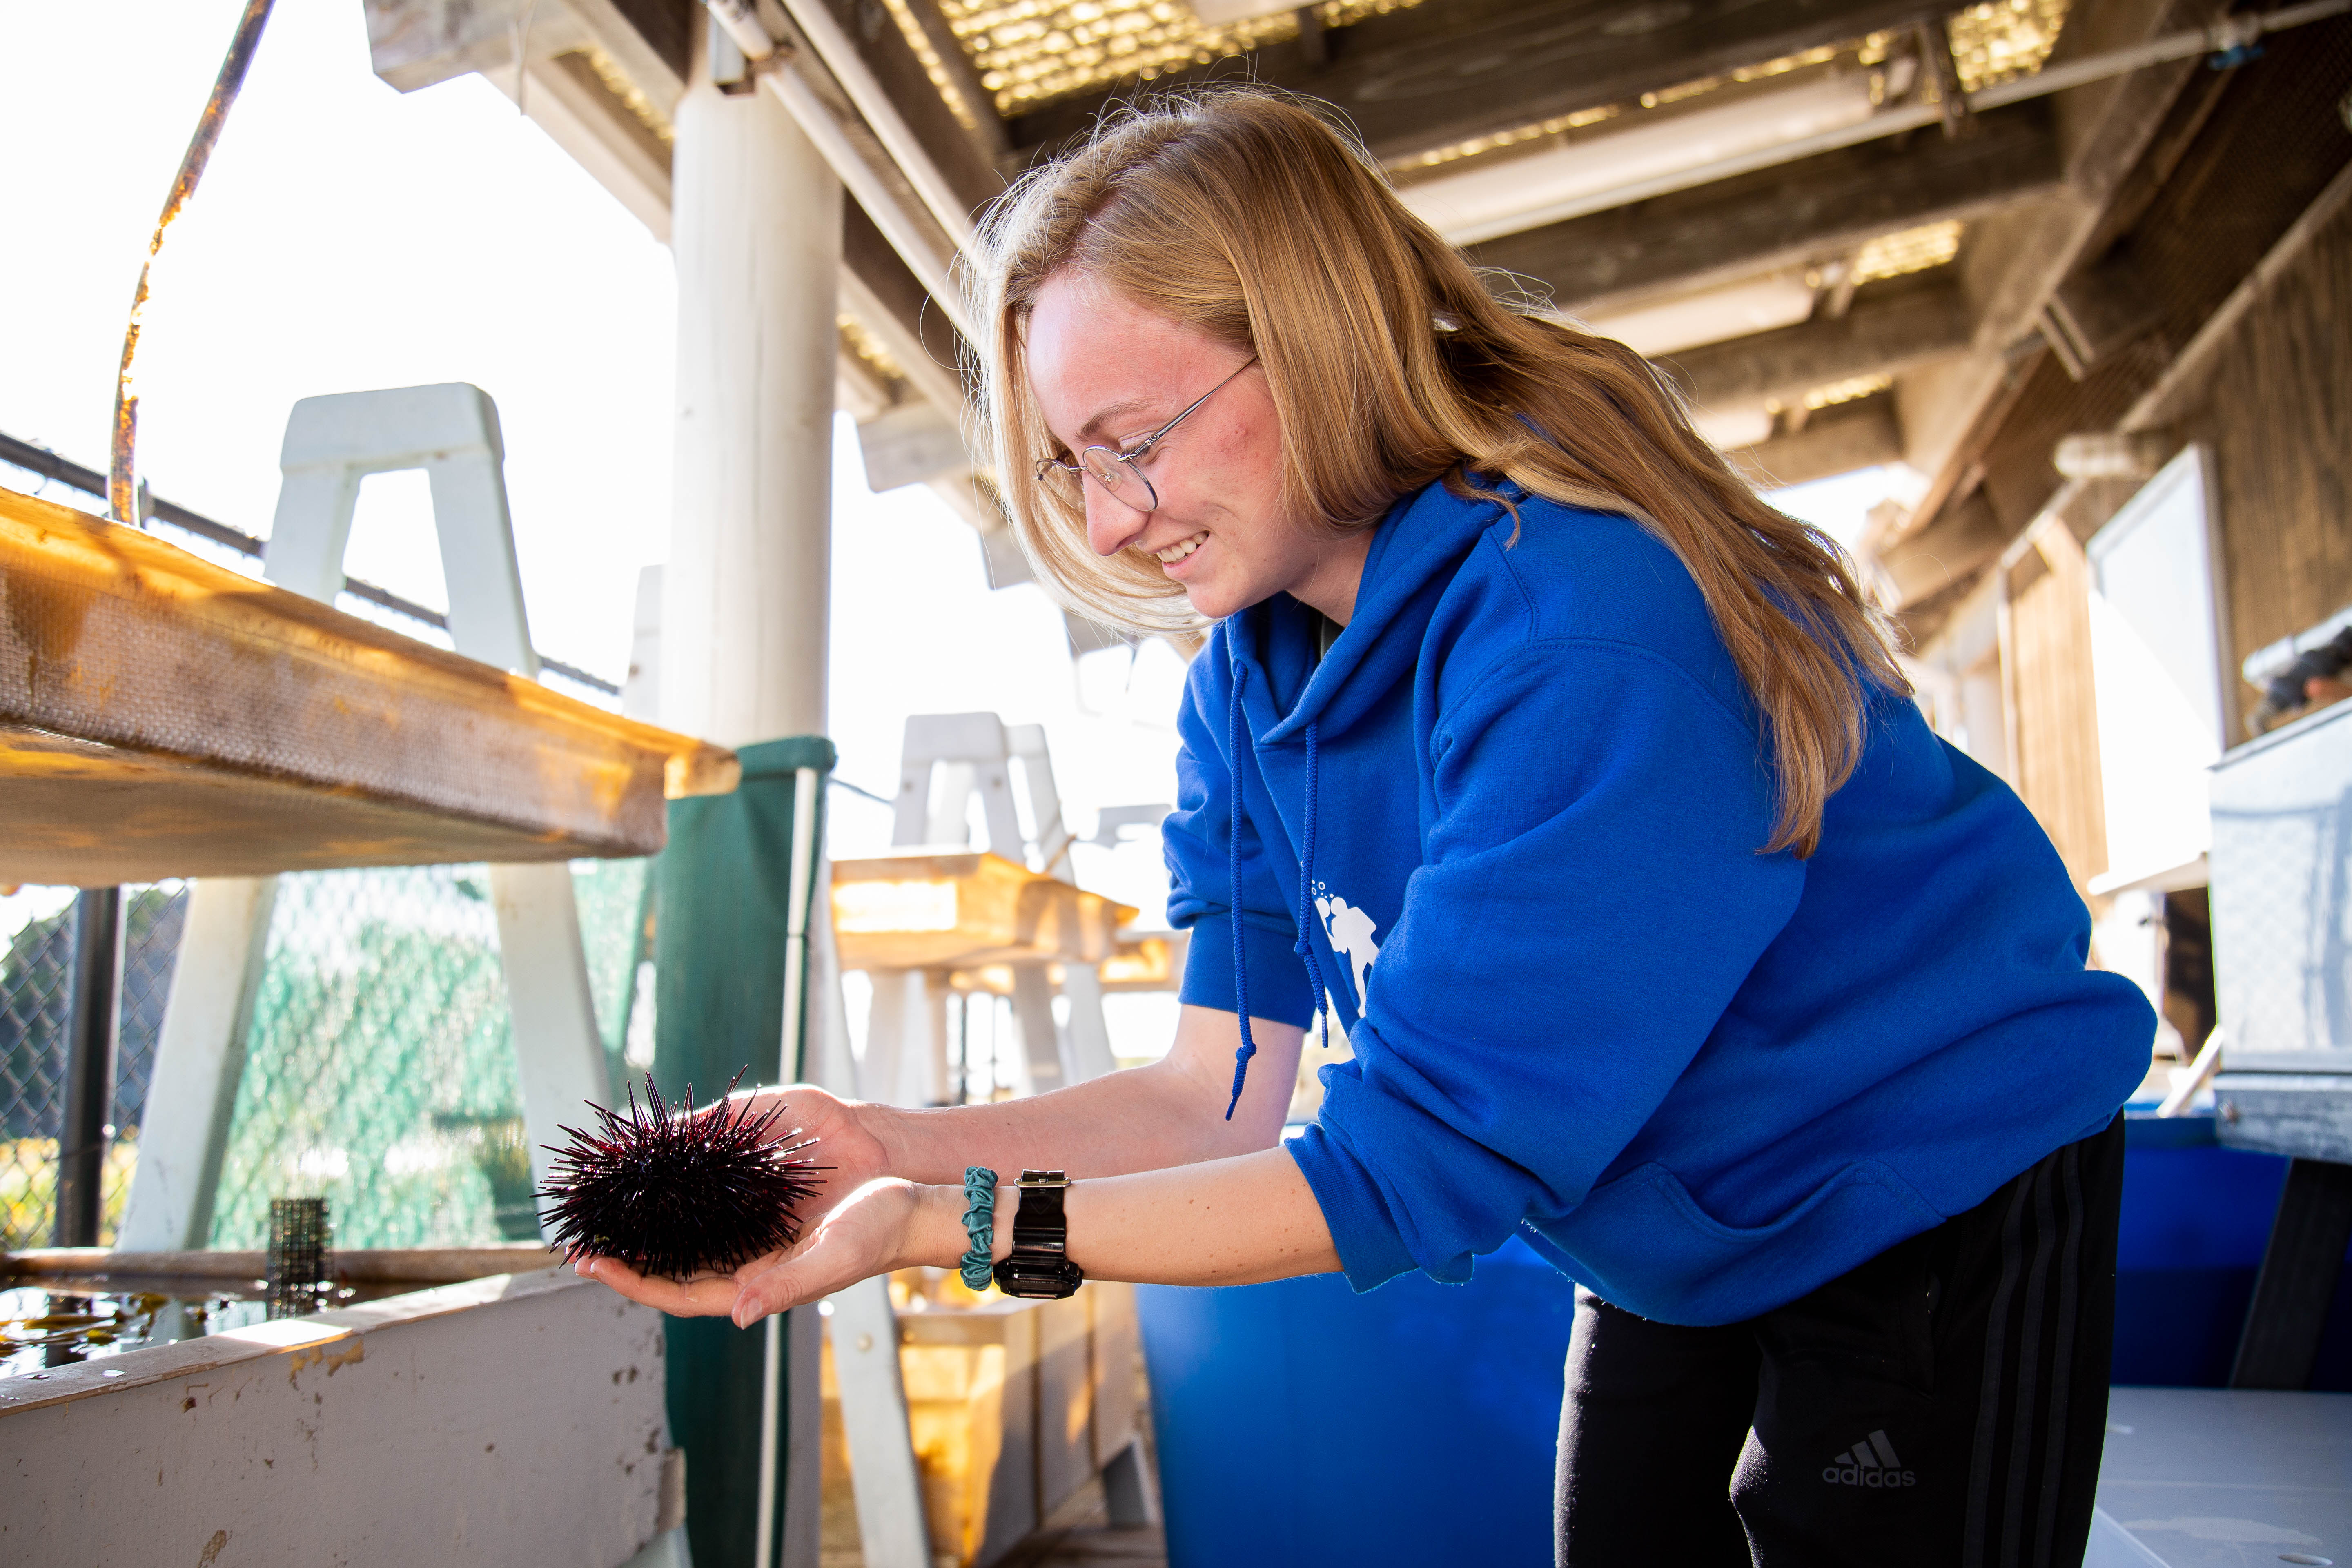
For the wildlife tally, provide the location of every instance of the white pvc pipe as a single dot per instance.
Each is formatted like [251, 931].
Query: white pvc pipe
[2200, 1073]
[849, 68]
[881, 203]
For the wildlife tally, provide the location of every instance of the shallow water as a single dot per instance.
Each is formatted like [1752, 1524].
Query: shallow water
[61, 1322]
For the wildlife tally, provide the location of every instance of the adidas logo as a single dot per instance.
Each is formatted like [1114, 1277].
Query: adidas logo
[1869, 1463]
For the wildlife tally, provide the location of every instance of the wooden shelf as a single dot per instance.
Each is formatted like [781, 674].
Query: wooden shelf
[930, 908]
[161, 716]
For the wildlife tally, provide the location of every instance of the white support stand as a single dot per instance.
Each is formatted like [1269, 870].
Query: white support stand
[451, 431]
[199, 1057]
[947, 758]
[891, 1527]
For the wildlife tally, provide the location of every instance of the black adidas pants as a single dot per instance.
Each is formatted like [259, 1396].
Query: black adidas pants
[1944, 1403]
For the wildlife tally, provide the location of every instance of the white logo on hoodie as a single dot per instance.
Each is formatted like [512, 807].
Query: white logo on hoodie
[1350, 930]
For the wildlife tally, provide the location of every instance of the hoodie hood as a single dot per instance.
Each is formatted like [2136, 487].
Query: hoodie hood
[1416, 549]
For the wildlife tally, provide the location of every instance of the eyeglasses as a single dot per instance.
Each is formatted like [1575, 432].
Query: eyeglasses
[1116, 470]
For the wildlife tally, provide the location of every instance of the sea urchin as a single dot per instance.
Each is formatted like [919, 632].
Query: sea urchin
[680, 1195]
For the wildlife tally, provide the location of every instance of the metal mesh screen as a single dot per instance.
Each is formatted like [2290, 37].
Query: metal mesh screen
[380, 1069]
[36, 987]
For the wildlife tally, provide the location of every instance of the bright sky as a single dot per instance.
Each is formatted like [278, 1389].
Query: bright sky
[349, 236]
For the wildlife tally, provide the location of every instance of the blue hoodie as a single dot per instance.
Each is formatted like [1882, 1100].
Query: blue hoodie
[1583, 1006]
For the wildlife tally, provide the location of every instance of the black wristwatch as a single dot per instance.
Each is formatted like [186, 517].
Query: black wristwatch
[1039, 1264]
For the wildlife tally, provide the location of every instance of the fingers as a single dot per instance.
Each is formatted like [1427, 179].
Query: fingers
[706, 1295]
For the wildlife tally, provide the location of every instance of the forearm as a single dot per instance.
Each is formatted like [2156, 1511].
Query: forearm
[1170, 1113]
[1228, 1222]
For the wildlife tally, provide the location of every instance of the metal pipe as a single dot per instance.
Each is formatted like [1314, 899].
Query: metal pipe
[89, 481]
[815, 117]
[2200, 1073]
[121, 485]
[816, 121]
[89, 1063]
[857, 80]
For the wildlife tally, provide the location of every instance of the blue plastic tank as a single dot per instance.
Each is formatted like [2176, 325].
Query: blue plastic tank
[1301, 1424]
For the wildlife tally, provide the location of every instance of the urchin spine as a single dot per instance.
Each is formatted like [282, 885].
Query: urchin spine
[678, 1195]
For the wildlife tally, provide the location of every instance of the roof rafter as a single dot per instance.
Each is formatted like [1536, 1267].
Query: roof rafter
[1438, 74]
[1806, 211]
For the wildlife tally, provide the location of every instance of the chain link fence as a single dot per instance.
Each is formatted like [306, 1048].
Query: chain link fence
[36, 1007]
[380, 1069]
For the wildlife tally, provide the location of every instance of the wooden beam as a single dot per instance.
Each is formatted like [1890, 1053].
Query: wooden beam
[1797, 212]
[1857, 435]
[1438, 74]
[1947, 554]
[1883, 337]
[162, 716]
[867, 256]
[2012, 263]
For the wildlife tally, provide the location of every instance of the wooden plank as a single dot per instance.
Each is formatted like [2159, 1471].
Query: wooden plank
[1857, 435]
[1801, 212]
[2048, 664]
[1881, 337]
[508, 1420]
[922, 909]
[403, 1265]
[1437, 74]
[164, 716]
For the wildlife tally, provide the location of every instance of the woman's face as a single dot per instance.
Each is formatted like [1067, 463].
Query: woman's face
[1108, 372]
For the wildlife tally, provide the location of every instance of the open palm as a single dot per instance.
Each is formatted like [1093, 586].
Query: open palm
[853, 1157]
[856, 1240]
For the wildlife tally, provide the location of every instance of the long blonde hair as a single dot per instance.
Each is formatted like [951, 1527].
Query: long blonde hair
[1392, 365]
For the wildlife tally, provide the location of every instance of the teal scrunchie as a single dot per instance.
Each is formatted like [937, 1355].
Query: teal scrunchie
[980, 1223]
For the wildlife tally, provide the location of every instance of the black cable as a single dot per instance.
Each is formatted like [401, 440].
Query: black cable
[49, 465]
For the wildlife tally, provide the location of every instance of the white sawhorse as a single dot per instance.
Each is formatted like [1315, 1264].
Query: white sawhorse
[946, 758]
[451, 431]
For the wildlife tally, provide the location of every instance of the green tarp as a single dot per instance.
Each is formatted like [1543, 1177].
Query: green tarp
[721, 946]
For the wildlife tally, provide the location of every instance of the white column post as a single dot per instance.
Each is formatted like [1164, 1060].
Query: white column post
[756, 232]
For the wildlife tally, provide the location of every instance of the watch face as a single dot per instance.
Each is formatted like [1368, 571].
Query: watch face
[1038, 1276]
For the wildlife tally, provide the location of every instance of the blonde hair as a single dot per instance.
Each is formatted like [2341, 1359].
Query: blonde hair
[1392, 365]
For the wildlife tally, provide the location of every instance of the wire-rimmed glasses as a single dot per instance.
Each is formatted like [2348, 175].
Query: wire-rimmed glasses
[1116, 470]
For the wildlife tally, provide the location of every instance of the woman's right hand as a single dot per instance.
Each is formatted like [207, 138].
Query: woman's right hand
[844, 1145]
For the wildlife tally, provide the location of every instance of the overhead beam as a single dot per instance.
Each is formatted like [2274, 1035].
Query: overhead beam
[2015, 262]
[885, 52]
[1857, 435]
[1442, 73]
[1884, 337]
[1796, 212]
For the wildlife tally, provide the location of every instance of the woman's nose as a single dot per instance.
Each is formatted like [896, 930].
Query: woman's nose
[1112, 524]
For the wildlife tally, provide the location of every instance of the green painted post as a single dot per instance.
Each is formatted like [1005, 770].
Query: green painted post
[722, 943]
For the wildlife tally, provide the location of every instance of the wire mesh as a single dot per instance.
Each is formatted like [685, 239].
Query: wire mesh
[36, 992]
[36, 996]
[380, 1069]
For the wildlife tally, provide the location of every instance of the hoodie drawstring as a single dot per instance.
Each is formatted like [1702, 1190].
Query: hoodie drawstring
[1236, 732]
[1305, 947]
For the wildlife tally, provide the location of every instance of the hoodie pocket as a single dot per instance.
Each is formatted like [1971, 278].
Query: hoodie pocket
[1646, 1245]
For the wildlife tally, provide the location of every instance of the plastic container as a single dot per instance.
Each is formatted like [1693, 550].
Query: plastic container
[2196, 1217]
[1301, 1424]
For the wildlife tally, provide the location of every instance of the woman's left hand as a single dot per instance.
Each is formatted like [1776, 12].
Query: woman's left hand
[872, 1232]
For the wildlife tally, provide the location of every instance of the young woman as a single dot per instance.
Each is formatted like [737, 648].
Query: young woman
[1584, 787]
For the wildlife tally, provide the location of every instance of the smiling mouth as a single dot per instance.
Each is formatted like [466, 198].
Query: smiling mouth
[1180, 549]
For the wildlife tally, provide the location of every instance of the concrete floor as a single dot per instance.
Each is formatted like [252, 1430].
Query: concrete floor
[1080, 1535]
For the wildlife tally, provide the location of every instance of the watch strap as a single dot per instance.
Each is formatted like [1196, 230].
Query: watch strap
[1039, 1225]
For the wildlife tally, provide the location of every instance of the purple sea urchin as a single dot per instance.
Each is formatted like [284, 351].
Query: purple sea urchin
[680, 1195]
